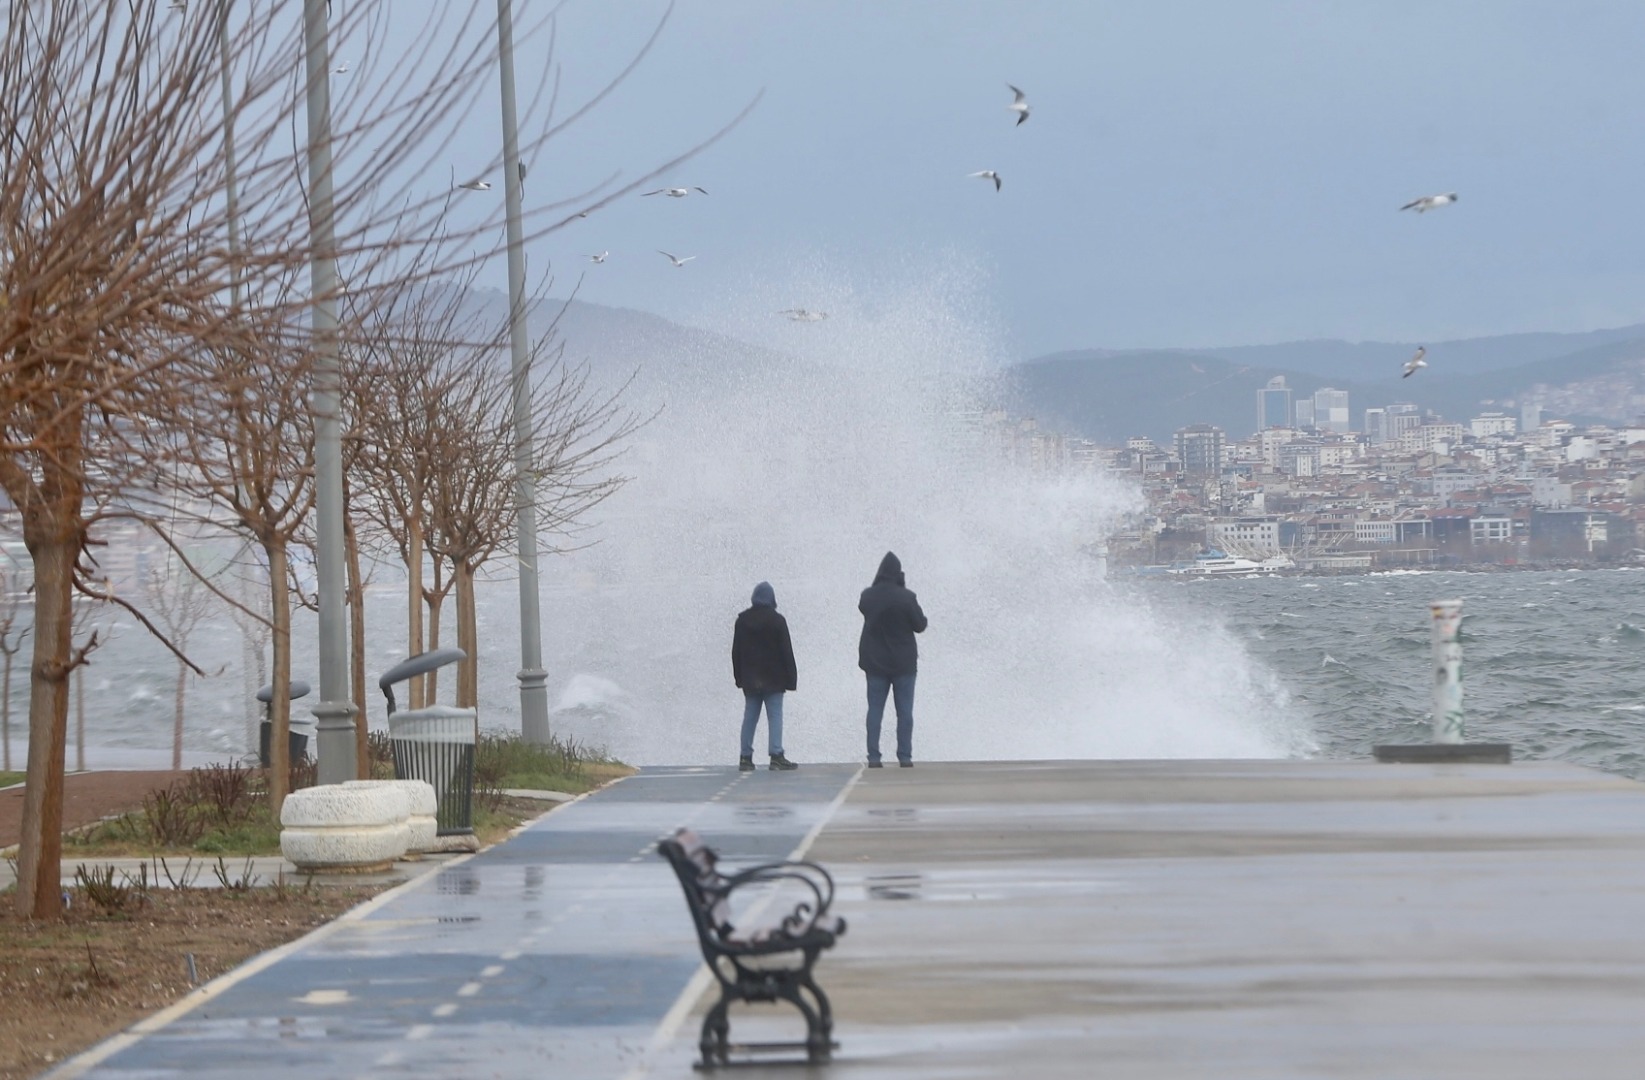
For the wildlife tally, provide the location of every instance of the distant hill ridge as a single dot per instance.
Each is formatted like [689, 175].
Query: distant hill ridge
[1107, 394]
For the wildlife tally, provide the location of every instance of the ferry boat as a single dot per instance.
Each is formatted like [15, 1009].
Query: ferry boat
[1221, 564]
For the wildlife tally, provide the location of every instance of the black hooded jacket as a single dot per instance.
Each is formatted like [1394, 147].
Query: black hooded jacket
[891, 616]
[762, 656]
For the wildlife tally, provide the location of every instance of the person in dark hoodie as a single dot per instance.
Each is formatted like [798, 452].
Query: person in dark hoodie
[887, 654]
[762, 662]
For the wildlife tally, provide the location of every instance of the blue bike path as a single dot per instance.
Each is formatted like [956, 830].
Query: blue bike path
[559, 952]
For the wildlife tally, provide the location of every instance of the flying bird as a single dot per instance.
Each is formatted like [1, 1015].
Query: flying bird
[989, 174]
[800, 314]
[673, 192]
[1430, 202]
[1019, 106]
[600, 258]
[1415, 362]
[340, 69]
[678, 262]
[476, 185]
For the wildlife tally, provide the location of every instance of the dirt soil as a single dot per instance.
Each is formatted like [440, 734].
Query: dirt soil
[87, 799]
[67, 985]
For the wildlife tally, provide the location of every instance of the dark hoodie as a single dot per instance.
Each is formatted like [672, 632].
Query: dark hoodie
[891, 616]
[762, 656]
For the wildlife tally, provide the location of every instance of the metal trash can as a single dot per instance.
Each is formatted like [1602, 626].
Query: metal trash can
[435, 744]
[296, 734]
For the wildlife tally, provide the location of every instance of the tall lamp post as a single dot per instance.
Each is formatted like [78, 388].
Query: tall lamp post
[533, 679]
[334, 712]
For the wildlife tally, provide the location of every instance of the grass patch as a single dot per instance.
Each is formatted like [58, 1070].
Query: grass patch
[223, 810]
[504, 760]
[9, 779]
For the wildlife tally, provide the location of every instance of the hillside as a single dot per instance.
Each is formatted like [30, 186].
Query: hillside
[1108, 396]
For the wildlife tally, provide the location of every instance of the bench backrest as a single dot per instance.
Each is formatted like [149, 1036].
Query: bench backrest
[705, 894]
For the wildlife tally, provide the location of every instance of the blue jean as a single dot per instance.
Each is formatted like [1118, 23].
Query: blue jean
[773, 703]
[901, 688]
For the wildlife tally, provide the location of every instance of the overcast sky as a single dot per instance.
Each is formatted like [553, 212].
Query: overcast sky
[1195, 172]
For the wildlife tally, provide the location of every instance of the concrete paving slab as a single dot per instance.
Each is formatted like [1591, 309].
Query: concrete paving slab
[1231, 920]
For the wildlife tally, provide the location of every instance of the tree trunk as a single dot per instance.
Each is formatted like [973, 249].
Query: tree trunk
[414, 575]
[436, 598]
[279, 735]
[468, 682]
[177, 722]
[53, 546]
[5, 715]
[357, 648]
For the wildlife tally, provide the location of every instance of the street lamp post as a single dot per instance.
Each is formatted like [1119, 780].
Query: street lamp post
[533, 679]
[334, 713]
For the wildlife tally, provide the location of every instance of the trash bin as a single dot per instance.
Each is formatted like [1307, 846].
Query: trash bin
[435, 743]
[296, 741]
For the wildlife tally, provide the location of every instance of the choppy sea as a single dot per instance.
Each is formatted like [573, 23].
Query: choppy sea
[1553, 662]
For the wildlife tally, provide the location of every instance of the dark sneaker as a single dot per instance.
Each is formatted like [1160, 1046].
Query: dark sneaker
[780, 762]
[745, 764]
[906, 764]
[875, 764]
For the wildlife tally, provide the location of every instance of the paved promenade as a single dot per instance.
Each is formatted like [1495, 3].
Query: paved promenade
[1121, 919]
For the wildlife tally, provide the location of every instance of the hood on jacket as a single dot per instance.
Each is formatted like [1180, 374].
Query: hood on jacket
[890, 570]
[764, 595]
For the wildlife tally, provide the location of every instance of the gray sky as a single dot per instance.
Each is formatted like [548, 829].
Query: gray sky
[1195, 172]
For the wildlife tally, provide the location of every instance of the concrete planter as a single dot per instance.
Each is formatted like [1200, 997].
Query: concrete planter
[338, 827]
[420, 824]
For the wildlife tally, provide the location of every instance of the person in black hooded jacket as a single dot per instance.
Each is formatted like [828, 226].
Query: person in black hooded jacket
[762, 663]
[888, 655]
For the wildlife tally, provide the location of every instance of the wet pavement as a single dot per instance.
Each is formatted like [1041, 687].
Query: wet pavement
[556, 953]
[1122, 919]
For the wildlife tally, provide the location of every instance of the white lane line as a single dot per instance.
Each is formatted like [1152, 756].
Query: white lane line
[445, 1010]
[393, 1057]
[512, 954]
[703, 979]
[419, 1032]
[492, 971]
[468, 989]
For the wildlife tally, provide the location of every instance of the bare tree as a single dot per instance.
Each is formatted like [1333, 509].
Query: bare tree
[115, 257]
[576, 434]
[251, 455]
[111, 266]
[179, 601]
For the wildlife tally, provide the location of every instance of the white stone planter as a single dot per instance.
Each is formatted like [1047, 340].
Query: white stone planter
[420, 824]
[337, 827]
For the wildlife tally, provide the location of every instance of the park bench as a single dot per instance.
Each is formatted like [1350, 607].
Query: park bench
[768, 963]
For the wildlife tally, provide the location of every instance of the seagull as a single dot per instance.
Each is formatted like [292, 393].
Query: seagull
[673, 192]
[800, 314]
[1019, 106]
[676, 261]
[600, 258]
[989, 174]
[1430, 202]
[1415, 362]
[340, 69]
[476, 185]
